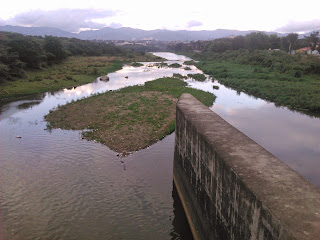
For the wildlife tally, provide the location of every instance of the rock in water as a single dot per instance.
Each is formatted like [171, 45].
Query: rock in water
[104, 78]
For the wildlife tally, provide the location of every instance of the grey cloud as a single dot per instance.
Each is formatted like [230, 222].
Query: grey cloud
[70, 20]
[194, 23]
[304, 27]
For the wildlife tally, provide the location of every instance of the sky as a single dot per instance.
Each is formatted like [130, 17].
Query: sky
[75, 16]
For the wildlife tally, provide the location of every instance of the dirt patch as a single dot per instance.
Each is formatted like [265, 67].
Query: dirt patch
[129, 119]
[125, 122]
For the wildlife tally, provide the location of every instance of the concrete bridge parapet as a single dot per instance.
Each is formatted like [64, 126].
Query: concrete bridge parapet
[232, 188]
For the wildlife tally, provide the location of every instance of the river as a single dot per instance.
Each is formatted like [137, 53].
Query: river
[55, 185]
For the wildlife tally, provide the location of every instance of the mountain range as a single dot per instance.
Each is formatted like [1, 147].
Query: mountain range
[130, 34]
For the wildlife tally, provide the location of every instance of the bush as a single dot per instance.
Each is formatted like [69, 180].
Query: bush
[175, 65]
[69, 77]
[297, 74]
[198, 77]
[35, 79]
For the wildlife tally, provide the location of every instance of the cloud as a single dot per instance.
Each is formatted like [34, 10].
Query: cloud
[301, 27]
[70, 20]
[194, 23]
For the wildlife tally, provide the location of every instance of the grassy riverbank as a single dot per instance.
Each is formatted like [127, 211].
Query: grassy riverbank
[130, 119]
[292, 81]
[75, 71]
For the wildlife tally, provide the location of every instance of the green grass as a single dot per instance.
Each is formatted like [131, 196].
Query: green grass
[279, 84]
[136, 64]
[180, 76]
[198, 77]
[175, 65]
[191, 62]
[129, 119]
[75, 71]
[173, 87]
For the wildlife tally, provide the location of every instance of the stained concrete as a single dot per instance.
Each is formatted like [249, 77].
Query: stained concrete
[232, 188]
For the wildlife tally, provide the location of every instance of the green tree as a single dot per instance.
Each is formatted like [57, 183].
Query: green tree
[220, 45]
[292, 38]
[274, 41]
[258, 40]
[54, 49]
[313, 39]
[10, 65]
[29, 50]
[239, 42]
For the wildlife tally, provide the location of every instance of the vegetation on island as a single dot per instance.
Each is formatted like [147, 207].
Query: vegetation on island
[136, 64]
[198, 77]
[175, 65]
[30, 65]
[143, 113]
[158, 64]
[190, 62]
[180, 76]
[245, 63]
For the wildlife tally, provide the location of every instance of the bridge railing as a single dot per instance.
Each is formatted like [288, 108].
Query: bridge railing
[232, 188]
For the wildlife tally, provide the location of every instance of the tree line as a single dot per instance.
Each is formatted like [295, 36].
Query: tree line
[255, 41]
[19, 52]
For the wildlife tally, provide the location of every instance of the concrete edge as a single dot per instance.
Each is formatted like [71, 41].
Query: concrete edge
[306, 185]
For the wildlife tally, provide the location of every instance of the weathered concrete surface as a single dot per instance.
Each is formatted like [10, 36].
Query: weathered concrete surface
[232, 188]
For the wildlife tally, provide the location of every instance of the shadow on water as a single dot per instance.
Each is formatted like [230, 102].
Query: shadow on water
[181, 228]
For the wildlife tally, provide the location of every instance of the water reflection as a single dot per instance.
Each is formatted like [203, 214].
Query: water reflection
[181, 229]
[291, 136]
[54, 185]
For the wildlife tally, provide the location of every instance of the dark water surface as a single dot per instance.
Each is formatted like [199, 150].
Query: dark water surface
[54, 185]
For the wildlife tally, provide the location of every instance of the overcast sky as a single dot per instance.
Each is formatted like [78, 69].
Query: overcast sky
[74, 16]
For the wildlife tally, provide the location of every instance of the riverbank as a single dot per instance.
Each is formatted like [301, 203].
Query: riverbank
[75, 71]
[286, 80]
[130, 119]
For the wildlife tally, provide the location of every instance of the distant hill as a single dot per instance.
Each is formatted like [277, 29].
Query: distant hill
[37, 31]
[161, 35]
[129, 34]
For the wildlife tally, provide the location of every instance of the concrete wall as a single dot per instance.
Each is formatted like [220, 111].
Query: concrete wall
[232, 188]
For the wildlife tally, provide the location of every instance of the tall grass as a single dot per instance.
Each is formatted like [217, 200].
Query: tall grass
[292, 81]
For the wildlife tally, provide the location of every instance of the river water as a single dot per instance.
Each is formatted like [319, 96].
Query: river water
[54, 185]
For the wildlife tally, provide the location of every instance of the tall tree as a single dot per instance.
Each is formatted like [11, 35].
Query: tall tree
[10, 65]
[29, 50]
[239, 42]
[54, 49]
[313, 39]
[292, 38]
[274, 41]
[258, 40]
